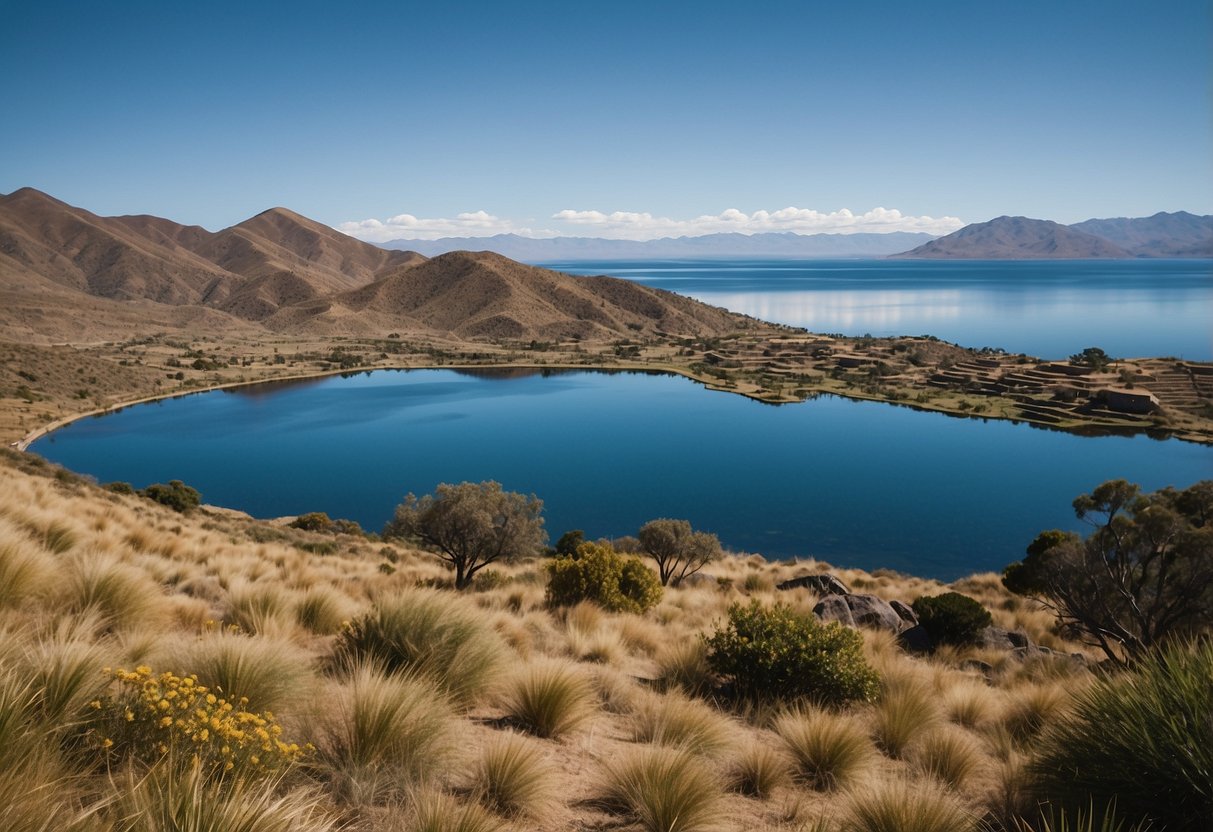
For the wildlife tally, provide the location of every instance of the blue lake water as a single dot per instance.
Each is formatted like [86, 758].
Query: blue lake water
[1052, 309]
[855, 483]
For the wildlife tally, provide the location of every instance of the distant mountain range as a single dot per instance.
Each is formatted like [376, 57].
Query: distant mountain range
[554, 249]
[69, 275]
[1019, 238]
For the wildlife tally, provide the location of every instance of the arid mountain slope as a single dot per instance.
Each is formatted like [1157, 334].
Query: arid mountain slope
[485, 295]
[1178, 234]
[69, 275]
[1017, 238]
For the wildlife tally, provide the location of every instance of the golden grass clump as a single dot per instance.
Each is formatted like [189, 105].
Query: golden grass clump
[903, 805]
[430, 632]
[683, 664]
[1031, 707]
[268, 672]
[435, 811]
[828, 750]
[377, 734]
[675, 720]
[65, 672]
[902, 714]
[512, 777]
[323, 611]
[949, 755]
[119, 595]
[662, 789]
[758, 769]
[24, 570]
[168, 799]
[549, 698]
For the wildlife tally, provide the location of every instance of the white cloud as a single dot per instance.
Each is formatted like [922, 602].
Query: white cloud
[638, 225]
[645, 226]
[409, 227]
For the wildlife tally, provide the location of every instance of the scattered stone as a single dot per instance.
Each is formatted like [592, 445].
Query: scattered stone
[915, 639]
[820, 584]
[834, 608]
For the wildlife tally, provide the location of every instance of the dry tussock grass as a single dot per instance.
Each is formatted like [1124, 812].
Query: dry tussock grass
[620, 708]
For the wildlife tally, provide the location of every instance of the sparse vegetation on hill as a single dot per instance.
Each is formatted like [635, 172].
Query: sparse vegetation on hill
[389, 701]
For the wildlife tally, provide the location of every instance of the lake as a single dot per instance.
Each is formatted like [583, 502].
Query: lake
[1051, 309]
[854, 483]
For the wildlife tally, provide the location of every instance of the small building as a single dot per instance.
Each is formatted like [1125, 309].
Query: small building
[1127, 401]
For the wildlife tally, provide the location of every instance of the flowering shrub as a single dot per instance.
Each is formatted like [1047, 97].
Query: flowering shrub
[775, 653]
[152, 716]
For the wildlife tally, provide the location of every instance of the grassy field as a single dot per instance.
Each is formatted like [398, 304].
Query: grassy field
[509, 715]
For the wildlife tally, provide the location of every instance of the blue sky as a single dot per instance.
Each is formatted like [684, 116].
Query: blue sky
[611, 119]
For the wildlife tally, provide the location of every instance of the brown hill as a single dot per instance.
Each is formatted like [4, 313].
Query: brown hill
[67, 274]
[1017, 238]
[484, 295]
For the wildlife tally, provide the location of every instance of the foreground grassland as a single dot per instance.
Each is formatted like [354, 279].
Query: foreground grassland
[515, 715]
[40, 387]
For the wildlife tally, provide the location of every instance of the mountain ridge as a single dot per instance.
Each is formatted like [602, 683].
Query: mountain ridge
[1178, 234]
[67, 273]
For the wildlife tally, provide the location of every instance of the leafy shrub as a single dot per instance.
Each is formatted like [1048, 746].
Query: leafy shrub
[315, 521]
[777, 653]
[119, 487]
[1143, 739]
[599, 574]
[152, 717]
[952, 618]
[176, 495]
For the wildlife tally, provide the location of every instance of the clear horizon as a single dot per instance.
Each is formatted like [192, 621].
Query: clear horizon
[636, 121]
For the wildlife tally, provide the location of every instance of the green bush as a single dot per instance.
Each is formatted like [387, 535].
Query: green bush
[777, 653]
[315, 521]
[600, 574]
[176, 495]
[952, 618]
[1142, 739]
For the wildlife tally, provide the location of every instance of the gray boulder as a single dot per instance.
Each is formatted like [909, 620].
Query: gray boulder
[834, 608]
[820, 584]
[875, 613]
[905, 611]
[859, 611]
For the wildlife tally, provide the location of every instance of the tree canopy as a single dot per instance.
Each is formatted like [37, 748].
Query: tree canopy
[678, 550]
[471, 525]
[1143, 576]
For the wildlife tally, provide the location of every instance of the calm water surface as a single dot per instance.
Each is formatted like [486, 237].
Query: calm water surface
[856, 483]
[1130, 308]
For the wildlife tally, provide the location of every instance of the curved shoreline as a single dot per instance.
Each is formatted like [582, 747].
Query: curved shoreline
[709, 383]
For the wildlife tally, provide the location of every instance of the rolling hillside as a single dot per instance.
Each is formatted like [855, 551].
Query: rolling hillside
[69, 275]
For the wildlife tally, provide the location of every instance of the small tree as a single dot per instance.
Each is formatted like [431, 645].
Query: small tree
[1092, 357]
[471, 525]
[1143, 576]
[678, 549]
